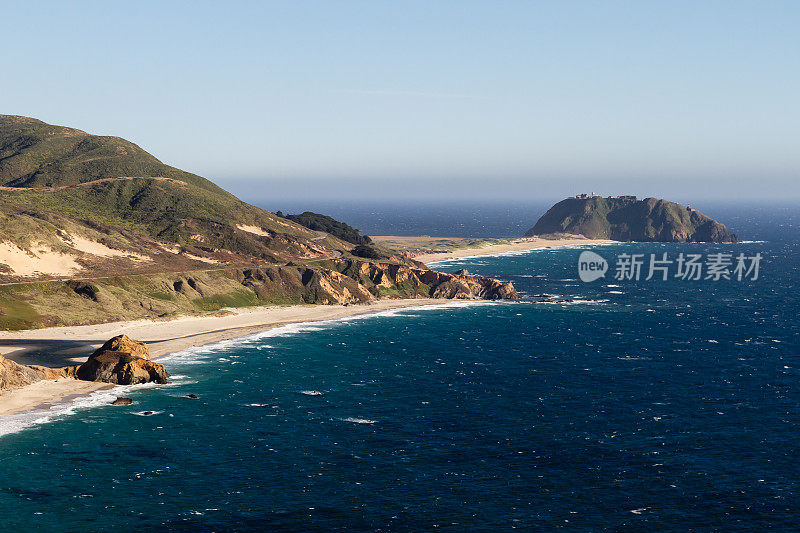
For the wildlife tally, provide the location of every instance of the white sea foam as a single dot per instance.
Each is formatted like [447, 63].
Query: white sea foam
[358, 420]
[17, 422]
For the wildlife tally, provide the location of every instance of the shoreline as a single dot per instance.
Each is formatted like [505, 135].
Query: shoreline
[62, 346]
[521, 244]
[71, 345]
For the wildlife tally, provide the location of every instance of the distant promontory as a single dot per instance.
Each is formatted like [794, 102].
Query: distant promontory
[626, 218]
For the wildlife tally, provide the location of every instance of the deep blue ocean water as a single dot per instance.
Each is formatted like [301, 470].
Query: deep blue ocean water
[662, 406]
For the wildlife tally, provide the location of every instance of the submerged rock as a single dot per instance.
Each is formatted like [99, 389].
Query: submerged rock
[123, 361]
[191, 396]
[122, 401]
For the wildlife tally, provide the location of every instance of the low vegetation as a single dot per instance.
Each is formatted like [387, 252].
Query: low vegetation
[326, 224]
[94, 229]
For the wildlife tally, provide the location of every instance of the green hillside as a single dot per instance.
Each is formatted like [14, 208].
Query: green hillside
[111, 181]
[327, 224]
[36, 154]
[94, 229]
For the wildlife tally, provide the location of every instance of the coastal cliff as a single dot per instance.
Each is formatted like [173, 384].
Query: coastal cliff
[95, 229]
[626, 218]
[339, 281]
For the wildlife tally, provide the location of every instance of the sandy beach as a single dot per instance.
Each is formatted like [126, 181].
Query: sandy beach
[489, 247]
[62, 346]
[43, 394]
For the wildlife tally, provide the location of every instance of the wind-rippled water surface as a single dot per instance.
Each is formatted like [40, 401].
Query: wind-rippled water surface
[666, 406]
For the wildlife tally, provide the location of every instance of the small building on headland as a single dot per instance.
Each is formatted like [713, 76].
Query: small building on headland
[624, 197]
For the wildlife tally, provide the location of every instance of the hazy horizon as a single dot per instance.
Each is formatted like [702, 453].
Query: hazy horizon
[469, 100]
[278, 193]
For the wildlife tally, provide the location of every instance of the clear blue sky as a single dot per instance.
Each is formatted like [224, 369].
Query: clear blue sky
[519, 98]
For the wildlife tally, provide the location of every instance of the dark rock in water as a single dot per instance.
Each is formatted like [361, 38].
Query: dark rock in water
[123, 361]
[122, 401]
[191, 396]
[462, 272]
[147, 413]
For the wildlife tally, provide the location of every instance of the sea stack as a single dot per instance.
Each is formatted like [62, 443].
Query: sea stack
[123, 361]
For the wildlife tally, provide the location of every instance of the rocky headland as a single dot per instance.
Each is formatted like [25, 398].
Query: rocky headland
[626, 218]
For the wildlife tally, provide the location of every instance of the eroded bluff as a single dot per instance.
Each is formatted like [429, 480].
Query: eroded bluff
[14, 375]
[352, 281]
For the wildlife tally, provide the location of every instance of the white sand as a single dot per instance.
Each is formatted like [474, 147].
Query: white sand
[162, 337]
[39, 260]
[516, 245]
[37, 394]
[88, 246]
[252, 229]
[203, 259]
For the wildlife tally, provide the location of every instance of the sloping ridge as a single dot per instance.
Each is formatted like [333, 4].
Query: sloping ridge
[36, 154]
[95, 229]
[627, 219]
[111, 184]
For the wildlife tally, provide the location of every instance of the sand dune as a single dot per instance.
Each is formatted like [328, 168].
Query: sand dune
[253, 229]
[39, 260]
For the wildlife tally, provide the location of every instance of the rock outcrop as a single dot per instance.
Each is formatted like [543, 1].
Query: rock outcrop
[404, 281]
[628, 219]
[349, 281]
[14, 375]
[465, 287]
[122, 361]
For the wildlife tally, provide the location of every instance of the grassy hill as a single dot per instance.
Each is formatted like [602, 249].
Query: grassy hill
[94, 229]
[111, 183]
[327, 224]
[36, 154]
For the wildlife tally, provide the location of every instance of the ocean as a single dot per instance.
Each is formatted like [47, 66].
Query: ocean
[620, 405]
